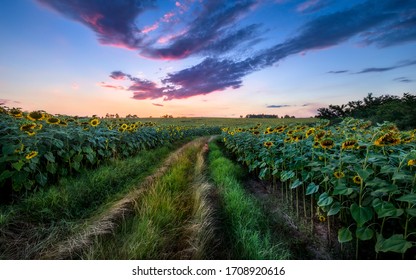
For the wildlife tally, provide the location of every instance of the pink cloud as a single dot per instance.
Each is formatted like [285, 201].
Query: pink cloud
[105, 85]
[150, 28]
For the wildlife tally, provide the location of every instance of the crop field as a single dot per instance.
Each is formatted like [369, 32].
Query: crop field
[202, 188]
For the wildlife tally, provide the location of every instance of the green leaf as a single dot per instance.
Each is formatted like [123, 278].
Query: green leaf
[396, 243]
[51, 167]
[335, 208]
[411, 212]
[364, 233]
[399, 176]
[380, 191]
[18, 165]
[365, 173]
[6, 174]
[41, 179]
[411, 198]
[312, 188]
[296, 184]
[286, 175]
[361, 214]
[386, 209]
[344, 235]
[342, 190]
[50, 157]
[9, 149]
[325, 200]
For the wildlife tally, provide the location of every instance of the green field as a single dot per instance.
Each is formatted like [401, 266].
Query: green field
[205, 188]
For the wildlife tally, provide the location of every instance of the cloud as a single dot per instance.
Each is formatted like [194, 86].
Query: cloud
[312, 6]
[112, 21]
[118, 75]
[277, 106]
[157, 104]
[337, 72]
[388, 68]
[105, 85]
[212, 27]
[403, 80]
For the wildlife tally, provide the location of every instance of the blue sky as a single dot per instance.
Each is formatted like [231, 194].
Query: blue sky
[203, 58]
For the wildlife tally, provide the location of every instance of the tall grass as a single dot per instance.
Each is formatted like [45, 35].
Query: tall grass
[52, 213]
[247, 226]
[163, 218]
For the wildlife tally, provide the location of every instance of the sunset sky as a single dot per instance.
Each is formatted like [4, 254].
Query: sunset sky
[203, 57]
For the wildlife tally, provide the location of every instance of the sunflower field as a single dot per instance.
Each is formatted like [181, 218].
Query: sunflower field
[358, 178]
[38, 148]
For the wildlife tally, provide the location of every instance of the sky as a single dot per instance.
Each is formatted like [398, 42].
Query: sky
[203, 58]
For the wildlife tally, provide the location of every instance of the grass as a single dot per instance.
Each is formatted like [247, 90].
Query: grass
[247, 227]
[168, 218]
[52, 213]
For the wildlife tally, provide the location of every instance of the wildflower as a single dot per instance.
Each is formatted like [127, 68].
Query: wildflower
[27, 127]
[35, 116]
[16, 113]
[30, 133]
[268, 144]
[94, 122]
[387, 139]
[348, 144]
[339, 174]
[327, 143]
[53, 120]
[31, 155]
[357, 180]
[411, 162]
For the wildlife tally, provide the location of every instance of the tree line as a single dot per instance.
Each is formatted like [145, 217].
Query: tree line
[400, 110]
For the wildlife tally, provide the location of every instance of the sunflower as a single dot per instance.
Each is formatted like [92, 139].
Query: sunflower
[349, 144]
[31, 155]
[387, 139]
[53, 120]
[94, 122]
[339, 174]
[268, 144]
[121, 129]
[35, 116]
[124, 126]
[38, 126]
[310, 132]
[321, 218]
[411, 162]
[327, 143]
[256, 132]
[30, 132]
[357, 179]
[16, 113]
[320, 135]
[27, 126]
[316, 145]
[20, 149]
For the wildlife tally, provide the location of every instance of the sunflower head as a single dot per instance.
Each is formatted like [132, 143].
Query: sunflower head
[256, 132]
[411, 162]
[94, 122]
[339, 174]
[320, 135]
[327, 143]
[36, 116]
[316, 145]
[16, 113]
[268, 144]
[388, 139]
[31, 155]
[310, 131]
[27, 126]
[349, 144]
[321, 218]
[31, 133]
[357, 180]
[53, 120]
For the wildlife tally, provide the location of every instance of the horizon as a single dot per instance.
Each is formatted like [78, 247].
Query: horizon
[203, 59]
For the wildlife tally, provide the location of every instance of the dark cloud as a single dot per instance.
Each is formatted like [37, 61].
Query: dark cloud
[206, 32]
[403, 80]
[337, 72]
[384, 69]
[118, 75]
[277, 106]
[213, 25]
[112, 21]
